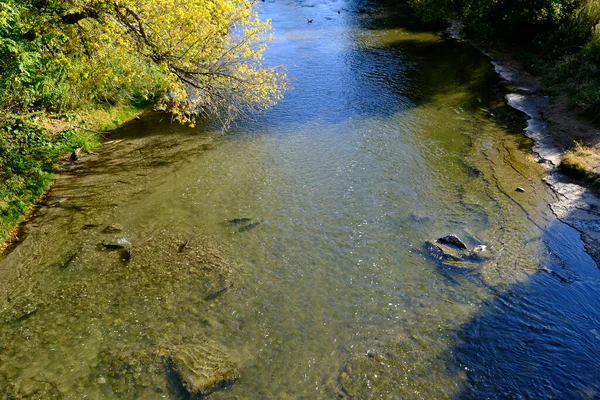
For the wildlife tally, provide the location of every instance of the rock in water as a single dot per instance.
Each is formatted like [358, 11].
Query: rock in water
[452, 240]
[119, 243]
[479, 253]
[113, 228]
[203, 370]
[442, 252]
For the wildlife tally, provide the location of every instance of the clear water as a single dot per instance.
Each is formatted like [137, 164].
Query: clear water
[391, 136]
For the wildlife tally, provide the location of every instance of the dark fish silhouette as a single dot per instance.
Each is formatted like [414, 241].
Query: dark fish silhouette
[183, 246]
[126, 255]
[239, 220]
[216, 293]
[249, 227]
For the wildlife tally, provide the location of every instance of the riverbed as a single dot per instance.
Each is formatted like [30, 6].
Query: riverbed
[287, 255]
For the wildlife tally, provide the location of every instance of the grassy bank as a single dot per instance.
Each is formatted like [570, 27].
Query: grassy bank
[33, 146]
[582, 163]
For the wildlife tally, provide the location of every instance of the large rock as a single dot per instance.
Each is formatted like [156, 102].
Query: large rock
[203, 370]
[442, 252]
[448, 252]
[452, 240]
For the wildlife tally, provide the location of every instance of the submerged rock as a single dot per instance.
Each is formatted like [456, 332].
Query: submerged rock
[442, 252]
[449, 253]
[113, 228]
[203, 370]
[117, 244]
[452, 240]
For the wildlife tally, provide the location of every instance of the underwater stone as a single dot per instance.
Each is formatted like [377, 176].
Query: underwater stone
[452, 240]
[442, 252]
[113, 228]
[119, 243]
[203, 370]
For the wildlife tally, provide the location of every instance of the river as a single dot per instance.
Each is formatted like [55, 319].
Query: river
[390, 136]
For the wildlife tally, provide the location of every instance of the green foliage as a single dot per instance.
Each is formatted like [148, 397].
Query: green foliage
[189, 56]
[28, 158]
[102, 59]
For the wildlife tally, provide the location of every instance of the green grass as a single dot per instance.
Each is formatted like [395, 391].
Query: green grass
[30, 153]
[579, 163]
[108, 118]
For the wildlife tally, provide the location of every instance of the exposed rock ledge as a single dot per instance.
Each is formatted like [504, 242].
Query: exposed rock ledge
[547, 125]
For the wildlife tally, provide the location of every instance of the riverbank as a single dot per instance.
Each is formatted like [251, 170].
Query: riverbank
[36, 147]
[565, 142]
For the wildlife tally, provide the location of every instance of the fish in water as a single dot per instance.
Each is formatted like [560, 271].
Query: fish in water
[248, 227]
[216, 293]
[239, 220]
[126, 255]
[183, 246]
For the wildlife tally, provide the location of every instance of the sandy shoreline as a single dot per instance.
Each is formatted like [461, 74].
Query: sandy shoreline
[554, 129]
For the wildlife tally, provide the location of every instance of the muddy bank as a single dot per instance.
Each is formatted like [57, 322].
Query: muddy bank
[554, 129]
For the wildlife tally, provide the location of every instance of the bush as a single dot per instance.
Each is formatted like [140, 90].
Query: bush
[28, 158]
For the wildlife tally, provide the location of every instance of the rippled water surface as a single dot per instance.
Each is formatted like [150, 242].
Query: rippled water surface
[391, 136]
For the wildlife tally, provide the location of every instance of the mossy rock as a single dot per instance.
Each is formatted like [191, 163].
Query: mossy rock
[203, 369]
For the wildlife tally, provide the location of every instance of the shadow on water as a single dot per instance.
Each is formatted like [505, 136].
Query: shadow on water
[540, 338]
[152, 147]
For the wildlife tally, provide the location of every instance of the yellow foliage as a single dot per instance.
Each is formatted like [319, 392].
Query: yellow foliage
[201, 56]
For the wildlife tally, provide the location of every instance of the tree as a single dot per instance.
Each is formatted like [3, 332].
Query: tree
[200, 56]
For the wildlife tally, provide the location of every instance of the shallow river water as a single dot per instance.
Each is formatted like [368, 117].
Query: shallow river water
[390, 137]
